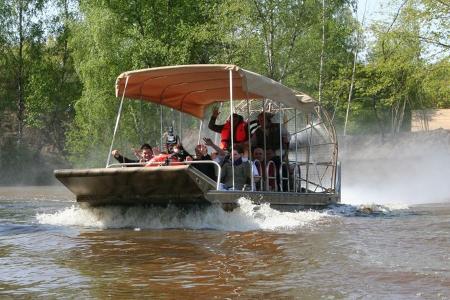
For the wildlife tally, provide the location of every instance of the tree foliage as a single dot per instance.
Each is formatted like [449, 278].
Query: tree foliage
[60, 59]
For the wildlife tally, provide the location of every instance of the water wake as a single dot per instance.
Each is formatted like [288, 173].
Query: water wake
[369, 210]
[247, 217]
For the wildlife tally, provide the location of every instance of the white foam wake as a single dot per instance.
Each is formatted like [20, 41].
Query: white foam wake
[245, 218]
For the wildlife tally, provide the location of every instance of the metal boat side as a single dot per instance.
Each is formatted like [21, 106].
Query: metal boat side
[177, 184]
[279, 200]
[137, 185]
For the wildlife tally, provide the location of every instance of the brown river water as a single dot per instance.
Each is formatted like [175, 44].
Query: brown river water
[51, 248]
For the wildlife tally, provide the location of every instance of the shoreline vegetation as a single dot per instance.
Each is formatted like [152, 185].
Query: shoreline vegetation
[36, 167]
[59, 62]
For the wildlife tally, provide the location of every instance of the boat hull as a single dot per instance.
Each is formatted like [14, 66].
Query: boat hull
[176, 185]
[137, 185]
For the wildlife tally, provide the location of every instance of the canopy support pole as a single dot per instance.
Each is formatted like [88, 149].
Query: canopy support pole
[281, 147]
[250, 154]
[200, 132]
[117, 123]
[308, 149]
[181, 128]
[161, 128]
[296, 148]
[264, 143]
[232, 124]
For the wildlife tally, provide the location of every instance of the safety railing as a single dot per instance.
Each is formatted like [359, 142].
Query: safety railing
[173, 163]
[297, 178]
[260, 178]
[282, 178]
[262, 183]
[269, 177]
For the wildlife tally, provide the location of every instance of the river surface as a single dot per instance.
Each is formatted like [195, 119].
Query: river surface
[51, 248]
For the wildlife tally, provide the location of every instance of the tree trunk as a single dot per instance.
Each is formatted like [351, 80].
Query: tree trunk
[20, 81]
[400, 118]
[380, 123]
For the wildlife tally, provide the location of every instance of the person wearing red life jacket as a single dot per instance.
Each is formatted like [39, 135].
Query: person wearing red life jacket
[175, 152]
[240, 133]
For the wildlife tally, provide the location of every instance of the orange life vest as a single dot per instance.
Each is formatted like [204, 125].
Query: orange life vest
[240, 136]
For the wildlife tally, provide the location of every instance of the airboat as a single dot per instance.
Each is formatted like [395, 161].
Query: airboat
[312, 178]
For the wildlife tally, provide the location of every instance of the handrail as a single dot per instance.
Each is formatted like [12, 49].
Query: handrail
[162, 164]
[271, 162]
[284, 178]
[260, 172]
[297, 173]
[297, 178]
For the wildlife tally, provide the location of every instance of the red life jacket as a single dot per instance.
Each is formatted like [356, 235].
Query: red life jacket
[240, 136]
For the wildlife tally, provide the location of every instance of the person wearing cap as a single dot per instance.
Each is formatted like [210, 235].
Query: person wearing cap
[145, 154]
[171, 140]
[240, 132]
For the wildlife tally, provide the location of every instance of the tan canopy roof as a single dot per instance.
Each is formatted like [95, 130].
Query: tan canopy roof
[191, 88]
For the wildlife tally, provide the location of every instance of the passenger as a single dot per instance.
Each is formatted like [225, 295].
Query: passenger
[201, 154]
[171, 139]
[240, 133]
[145, 154]
[242, 171]
[261, 165]
[221, 154]
[272, 134]
[214, 155]
[258, 154]
[179, 153]
[174, 151]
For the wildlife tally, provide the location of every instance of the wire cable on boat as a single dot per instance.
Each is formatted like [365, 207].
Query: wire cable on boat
[117, 123]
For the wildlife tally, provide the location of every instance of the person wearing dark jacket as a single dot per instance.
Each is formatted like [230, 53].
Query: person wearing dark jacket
[241, 177]
[240, 132]
[271, 132]
[144, 154]
[201, 154]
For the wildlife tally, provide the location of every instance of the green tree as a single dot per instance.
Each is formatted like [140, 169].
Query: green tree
[20, 35]
[117, 36]
[53, 84]
[407, 69]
